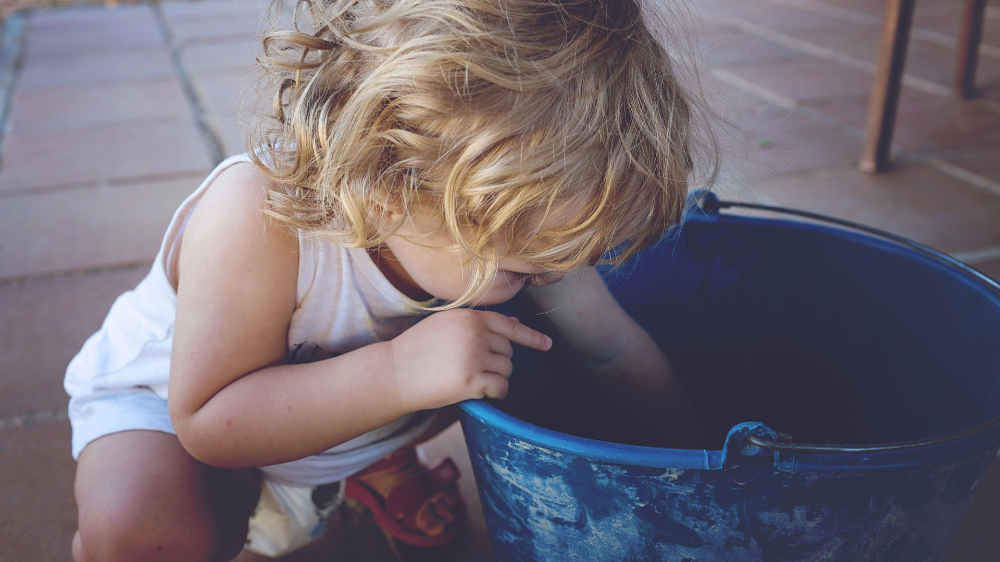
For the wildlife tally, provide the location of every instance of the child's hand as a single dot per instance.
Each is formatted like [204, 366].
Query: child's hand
[458, 355]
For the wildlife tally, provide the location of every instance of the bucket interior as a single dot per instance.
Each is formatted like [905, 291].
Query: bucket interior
[831, 336]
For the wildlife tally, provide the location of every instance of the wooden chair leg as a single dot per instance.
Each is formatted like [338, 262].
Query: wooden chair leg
[969, 37]
[888, 81]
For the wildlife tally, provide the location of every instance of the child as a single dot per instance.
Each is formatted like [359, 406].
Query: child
[424, 155]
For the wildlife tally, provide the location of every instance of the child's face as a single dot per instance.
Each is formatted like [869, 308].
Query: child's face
[420, 262]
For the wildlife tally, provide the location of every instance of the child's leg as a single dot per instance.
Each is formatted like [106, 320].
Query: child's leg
[141, 496]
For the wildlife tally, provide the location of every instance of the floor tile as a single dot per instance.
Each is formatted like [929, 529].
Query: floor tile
[860, 6]
[852, 110]
[731, 47]
[924, 123]
[213, 9]
[235, 54]
[102, 153]
[984, 162]
[227, 91]
[777, 141]
[991, 28]
[927, 59]
[68, 20]
[991, 268]
[89, 227]
[785, 17]
[94, 103]
[847, 37]
[215, 21]
[46, 39]
[987, 90]
[229, 99]
[95, 67]
[936, 63]
[232, 136]
[929, 123]
[913, 201]
[193, 32]
[43, 325]
[806, 79]
[760, 12]
[975, 538]
[37, 514]
[942, 17]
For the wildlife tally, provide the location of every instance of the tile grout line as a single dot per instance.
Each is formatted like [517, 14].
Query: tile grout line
[972, 178]
[818, 51]
[11, 49]
[933, 160]
[736, 81]
[854, 16]
[37, 418]
[977, 256]
[31, 277]
[832, 55]
[210, 137]
[124, 182]
[110, 124]
[825, 53]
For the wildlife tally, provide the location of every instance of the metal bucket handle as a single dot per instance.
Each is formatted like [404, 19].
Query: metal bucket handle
[708, 202]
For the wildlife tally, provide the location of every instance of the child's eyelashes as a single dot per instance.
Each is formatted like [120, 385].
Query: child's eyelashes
[527, 277]
[540, 279]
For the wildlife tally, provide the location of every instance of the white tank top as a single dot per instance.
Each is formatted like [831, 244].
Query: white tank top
[343, 302]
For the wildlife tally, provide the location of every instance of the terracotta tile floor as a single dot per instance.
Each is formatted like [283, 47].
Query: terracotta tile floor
[112, 112]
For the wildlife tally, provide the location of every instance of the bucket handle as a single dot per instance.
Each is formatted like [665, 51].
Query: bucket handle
[786, 447]
[710, 203]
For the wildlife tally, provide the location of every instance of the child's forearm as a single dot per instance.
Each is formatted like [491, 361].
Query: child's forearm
[642, 390]
[618, 361]
[286, 412]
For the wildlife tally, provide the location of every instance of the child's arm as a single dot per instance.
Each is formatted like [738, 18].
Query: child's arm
[618, 361]
[232, 401]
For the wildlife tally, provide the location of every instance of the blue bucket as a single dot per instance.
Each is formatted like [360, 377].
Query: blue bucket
[851, 377]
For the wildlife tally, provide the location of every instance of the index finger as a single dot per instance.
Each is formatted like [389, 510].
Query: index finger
[512, 329]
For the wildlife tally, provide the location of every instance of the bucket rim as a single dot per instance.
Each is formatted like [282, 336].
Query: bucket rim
[982, 436]
[592, 449]
[704, 206]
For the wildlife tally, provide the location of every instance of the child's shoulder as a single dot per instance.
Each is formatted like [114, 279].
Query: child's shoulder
[239, 180]
[230, 225]
[238, 195]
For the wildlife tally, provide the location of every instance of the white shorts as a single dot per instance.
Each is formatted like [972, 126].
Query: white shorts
[104, 412]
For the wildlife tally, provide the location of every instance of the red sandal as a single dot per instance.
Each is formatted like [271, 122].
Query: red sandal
[413, 494]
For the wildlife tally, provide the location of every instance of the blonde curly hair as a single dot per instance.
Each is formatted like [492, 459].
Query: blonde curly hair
[488, 115]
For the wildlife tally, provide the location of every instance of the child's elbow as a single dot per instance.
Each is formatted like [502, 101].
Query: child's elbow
[196, 438]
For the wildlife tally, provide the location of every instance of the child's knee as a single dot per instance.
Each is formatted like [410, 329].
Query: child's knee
[119, 531]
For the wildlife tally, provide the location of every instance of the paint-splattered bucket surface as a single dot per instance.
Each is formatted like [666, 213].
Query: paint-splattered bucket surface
[829, 335]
